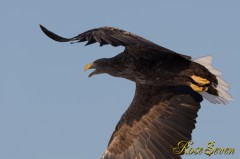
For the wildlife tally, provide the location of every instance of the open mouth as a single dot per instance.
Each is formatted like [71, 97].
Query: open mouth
[89, 66]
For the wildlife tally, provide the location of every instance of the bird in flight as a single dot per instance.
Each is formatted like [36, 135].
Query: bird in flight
[169, 89]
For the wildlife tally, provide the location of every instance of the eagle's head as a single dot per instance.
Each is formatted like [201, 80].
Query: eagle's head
[112, 66]
[100, 66]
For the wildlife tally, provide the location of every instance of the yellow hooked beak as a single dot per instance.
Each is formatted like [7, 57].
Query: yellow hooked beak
[87, 67]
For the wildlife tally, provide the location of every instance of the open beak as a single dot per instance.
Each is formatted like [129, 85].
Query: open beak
[89, 66]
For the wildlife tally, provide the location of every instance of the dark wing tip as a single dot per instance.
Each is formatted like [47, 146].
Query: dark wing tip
[53, 35]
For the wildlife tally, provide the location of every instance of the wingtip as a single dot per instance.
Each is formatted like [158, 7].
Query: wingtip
[44, 30]
[42, 27]
[52, 35]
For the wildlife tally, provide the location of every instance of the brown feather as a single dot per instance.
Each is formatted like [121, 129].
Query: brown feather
[155, 122]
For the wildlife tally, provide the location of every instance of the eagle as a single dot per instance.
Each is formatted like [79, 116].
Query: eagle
[169, 89]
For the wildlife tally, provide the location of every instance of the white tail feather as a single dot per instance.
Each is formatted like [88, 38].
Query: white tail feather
[223, 96]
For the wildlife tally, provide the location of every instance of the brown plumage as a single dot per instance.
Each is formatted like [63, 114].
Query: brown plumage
[169, 89]
[157, 119]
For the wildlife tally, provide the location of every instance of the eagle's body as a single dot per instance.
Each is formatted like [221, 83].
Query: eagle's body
[169, 89]
[150, 67]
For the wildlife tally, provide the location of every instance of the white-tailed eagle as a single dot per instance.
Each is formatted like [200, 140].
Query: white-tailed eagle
[169, 90]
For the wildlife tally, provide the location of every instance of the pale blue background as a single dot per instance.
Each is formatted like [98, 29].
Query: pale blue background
[49, 109]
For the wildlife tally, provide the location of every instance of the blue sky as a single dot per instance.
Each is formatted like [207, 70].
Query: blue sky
[50, 109]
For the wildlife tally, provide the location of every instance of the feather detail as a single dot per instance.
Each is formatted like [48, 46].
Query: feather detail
[222, 87]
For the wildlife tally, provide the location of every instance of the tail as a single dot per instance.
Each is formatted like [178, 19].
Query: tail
[222, 87]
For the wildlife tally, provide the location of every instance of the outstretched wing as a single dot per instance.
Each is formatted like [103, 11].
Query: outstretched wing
[112, 36]
[102, 35]
[156, 121]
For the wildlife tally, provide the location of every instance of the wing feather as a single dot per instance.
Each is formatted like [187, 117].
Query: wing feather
[112, 36]
[109, 35]
[155, 122]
